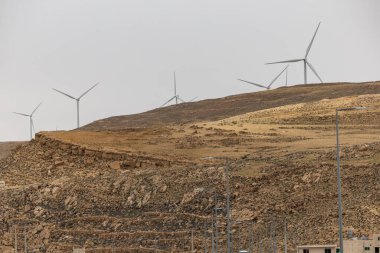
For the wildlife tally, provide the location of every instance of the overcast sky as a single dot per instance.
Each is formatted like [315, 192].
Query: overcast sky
[133, 47]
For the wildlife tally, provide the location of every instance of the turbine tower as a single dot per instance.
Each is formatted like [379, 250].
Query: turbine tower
[274, 80]
[306, 63]
[30, 116]
[77, 99]
[286, 77]
[176, 97]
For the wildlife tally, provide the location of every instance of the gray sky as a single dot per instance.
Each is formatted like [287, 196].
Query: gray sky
[133, 47]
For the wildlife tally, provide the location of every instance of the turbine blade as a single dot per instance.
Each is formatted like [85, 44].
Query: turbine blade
[256, 84]
[65, 94]
[312, 40]
[36, 109]
[88, 90]
[274, 80]
[288, 61]
[22, 114]
[313, 69]
[191, 100]
[167, 102]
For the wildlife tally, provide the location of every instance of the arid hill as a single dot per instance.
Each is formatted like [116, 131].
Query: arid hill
[128, 184]
[216, 109]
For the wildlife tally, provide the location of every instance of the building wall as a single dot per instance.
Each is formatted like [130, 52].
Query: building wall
[316, 249]
[357, 246]
[376, 240]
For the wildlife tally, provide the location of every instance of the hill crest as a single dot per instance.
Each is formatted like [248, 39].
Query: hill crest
[217, 109]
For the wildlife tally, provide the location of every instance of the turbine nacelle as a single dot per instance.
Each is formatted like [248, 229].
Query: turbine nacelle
[77, 99]
[273, 81]
[305, 60]
[176, 97]
[30, 116]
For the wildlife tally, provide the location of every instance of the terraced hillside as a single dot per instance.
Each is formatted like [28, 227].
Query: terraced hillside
[154, 188]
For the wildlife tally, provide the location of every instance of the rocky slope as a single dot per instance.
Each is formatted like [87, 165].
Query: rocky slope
[148, 190]
[7, 147]
[64, 199]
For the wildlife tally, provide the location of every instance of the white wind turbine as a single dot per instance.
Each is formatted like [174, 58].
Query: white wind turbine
[77, 99]
[30, 116]
[306, 63]
[176, 97]
[274, 80]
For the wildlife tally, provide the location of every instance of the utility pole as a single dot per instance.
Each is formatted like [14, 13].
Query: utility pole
[205, 238]
[273, 237]
[25, 242]
[229, 216]
[275, 240]
[239, 234]
[340, 211]
[212, 234]
[15, 239]
[251, 238]
[216, 226]
[285, 237]
[192, 240]
[215, 239]
[228, 204]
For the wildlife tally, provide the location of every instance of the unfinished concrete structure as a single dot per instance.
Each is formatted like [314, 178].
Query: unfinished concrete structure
[363, 244]
[330, 248]
[353, 245]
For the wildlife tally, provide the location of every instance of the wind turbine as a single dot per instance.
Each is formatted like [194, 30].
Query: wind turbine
[306, 63]
[286, 77]
[274, 80]
[176, 97]
[77, 99]
[30, 116]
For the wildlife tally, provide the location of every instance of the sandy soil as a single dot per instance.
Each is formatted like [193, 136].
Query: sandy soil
[271, 132]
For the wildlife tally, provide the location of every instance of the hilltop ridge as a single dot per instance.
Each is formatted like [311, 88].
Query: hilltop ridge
[216, 109]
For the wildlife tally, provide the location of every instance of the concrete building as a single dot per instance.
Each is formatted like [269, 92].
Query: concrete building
[362, 245]
[331, 248]
[353, 245]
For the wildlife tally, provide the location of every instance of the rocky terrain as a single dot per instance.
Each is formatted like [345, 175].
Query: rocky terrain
[127, 186]
[7, 147]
